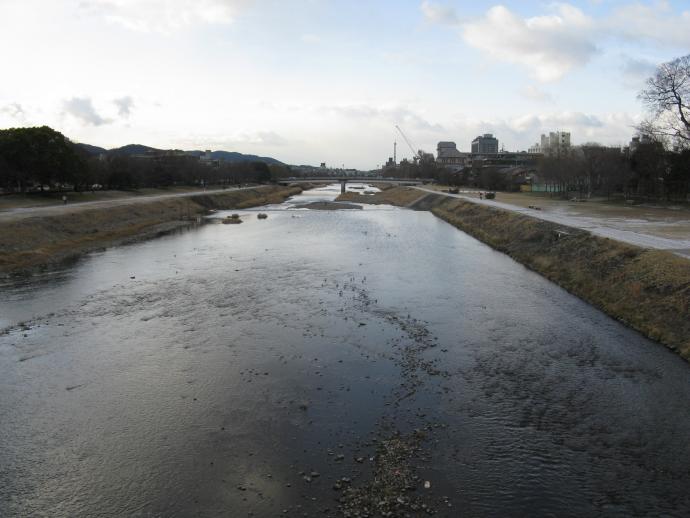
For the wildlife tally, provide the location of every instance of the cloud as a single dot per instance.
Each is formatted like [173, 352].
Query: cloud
[14, 110]
[312, 39]
[265, 138]
[549, 46]
[238, 140]
[81, 108]
[124, 106]
[534, 93]
[164, 15]
[635, 71]
[436, 13]
[392, 115]
[658, 23]
[522, 131]
[555, 121]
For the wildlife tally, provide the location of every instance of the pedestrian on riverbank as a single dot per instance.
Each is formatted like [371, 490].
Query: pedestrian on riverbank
[64, 199]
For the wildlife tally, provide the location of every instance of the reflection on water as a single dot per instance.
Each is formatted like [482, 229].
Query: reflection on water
[213, 371]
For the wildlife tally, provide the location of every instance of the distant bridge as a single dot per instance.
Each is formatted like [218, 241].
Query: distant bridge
[344, 179]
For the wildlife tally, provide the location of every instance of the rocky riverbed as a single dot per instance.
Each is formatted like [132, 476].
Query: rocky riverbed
[373, 362]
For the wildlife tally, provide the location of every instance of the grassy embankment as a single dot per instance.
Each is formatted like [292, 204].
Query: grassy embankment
[50, 198]
[33, 242]
[649, 290]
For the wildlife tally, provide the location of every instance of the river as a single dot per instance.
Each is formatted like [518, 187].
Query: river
[245, 370]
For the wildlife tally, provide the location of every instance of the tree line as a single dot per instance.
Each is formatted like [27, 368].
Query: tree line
[648, 171]
[34, 159]
[657, 166]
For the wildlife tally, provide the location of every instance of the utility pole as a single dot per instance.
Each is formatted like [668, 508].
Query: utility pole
[395, 152]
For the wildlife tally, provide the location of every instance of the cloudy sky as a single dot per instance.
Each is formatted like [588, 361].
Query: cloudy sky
[308, 81]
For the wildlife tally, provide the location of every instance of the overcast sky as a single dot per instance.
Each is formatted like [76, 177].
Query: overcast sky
[307, 81]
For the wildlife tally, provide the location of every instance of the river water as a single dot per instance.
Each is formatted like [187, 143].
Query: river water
[242, 370]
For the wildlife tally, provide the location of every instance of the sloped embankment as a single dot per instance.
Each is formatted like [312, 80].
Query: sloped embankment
[33, 242]
[649, 290]
[399, 196]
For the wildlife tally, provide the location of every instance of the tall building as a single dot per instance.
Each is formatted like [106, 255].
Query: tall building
[485, 144]
[390, 165]
[556, 143]
[640, 139]
[447, 154]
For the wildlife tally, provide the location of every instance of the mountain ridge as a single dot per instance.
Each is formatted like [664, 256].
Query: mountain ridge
[140, 149]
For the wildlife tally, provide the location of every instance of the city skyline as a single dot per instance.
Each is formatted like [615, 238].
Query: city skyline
[314, 81]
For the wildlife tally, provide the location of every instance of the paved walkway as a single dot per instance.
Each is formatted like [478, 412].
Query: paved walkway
[52, 210]
[600, 226]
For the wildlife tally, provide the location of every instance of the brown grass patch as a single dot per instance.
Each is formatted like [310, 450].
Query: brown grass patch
[33, 242]
[647, 289]
[399, 196]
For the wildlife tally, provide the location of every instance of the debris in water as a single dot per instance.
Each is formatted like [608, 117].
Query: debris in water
[232, 220]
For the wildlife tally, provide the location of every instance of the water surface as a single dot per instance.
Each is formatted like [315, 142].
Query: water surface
[210, 372]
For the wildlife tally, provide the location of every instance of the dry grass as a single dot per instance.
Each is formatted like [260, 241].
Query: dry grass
[647, 289]
[399, 196]
[33, 242]
[384, 186]
[13, 201]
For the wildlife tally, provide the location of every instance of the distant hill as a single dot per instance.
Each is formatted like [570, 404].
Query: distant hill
[132, 149]
[91, 150]
[233, 156]
[139, 149]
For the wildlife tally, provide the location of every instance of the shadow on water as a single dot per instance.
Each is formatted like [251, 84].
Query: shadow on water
[322, 362]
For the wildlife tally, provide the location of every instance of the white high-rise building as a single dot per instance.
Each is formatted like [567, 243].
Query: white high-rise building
[556, 143]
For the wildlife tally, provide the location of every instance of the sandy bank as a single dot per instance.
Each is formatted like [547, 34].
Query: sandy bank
[328, 205]
[649, 290]
[400, 196]
[33, 242]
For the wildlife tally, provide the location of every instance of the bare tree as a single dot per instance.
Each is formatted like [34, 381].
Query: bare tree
[668, 97]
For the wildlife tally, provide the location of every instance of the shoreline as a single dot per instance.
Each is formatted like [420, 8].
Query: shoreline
[647, 290]
[35, 242]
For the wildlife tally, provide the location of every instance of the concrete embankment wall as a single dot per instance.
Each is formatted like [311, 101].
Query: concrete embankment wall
[33, 242]
[649, 290]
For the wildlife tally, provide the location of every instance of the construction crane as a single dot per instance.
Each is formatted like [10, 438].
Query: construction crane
[416, 155]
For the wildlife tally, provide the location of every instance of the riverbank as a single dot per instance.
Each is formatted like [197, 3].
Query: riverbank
[649, 290]
[646, 226]
[36, 241]
[326, 364]
[54, 198]
[398, 196]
